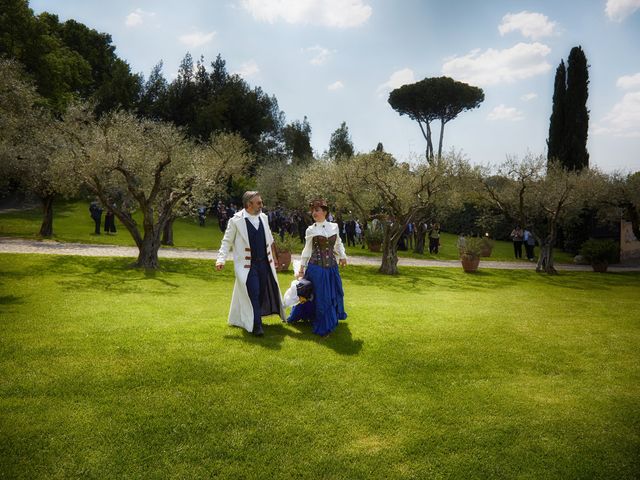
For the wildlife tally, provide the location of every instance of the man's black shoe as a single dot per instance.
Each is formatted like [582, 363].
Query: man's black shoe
[258, 332]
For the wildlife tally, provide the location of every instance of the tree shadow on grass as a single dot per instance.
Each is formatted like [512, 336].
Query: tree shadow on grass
[113, 274]
[118, 274]
[340, 340]
[591, 280]
[10, 300]
[418, 280]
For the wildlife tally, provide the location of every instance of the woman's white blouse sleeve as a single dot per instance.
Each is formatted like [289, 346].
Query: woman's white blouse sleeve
[308, 247]
[339, 247]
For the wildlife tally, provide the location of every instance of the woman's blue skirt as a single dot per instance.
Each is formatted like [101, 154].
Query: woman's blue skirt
[327, 306]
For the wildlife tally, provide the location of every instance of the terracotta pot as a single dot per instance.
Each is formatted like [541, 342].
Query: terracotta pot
[470, 263]
[284, 261]
[600, 267]
[374, 247]
[486, 251]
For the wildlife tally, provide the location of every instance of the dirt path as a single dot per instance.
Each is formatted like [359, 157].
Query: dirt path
[14, 245]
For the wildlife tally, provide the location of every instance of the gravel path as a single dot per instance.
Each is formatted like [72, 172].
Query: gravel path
[15, 245]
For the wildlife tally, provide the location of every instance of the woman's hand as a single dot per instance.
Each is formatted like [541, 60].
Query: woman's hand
[300, 273]
[343, 262]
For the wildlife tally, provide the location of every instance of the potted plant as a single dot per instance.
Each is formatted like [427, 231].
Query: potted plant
[600, 253]
[374, 238]
[470, 251]
[486, 246]
[284, 247]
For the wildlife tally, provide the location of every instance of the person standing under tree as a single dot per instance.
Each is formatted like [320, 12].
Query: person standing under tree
[517, 235]
[434, 238]
[109, 221]
[96, 214]
[529, 244]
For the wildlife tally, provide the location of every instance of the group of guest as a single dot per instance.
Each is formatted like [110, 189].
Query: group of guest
[95, 210]
[522, 237]
[409, 238]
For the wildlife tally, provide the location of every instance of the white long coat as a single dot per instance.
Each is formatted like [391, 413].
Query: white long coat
[236, 239]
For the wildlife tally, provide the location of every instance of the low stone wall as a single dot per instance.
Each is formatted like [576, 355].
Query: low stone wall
[629, 244]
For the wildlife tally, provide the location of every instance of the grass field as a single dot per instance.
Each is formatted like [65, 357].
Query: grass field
[108, 372]
[72, 223]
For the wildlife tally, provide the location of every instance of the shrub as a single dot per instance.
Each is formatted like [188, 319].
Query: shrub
[472, 246]
[600, 251]
[374, 235]
[288, 244]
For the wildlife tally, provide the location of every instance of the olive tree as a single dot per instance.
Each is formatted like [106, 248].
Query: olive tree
[28, 140]
[540, 196]
[401, 190]
[129, 164]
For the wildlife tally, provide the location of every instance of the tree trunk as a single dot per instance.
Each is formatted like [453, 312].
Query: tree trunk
[167, 232]
[545, 262]
[148, 256]
[46, 229]
[389, 264]
[363, 228]
[148, 251]
[429, 145]
[426, 133]
[441, 138]
[421, 235]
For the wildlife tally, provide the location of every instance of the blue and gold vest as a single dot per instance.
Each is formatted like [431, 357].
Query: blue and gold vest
[257, 242]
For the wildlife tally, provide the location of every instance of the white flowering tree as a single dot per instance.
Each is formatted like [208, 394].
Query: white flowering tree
[132, 164]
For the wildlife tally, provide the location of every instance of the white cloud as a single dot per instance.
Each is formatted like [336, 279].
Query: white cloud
[397, 79]
[527, 97]
[491, 67]
[196, 39]
[502, 112]
[329, 13]
[320, 55]
[338, 85]
[618, 10]
[529, 24]
[248, 69]
[624, 118]
[629, 82]
[137, 17]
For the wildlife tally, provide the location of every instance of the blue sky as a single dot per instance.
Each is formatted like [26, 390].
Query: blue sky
[336, 60]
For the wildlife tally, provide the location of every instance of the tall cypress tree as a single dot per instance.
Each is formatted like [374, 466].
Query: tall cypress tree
[555, 143]
[576, 113]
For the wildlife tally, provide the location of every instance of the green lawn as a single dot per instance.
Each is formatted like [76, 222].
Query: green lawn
[72, 223]
[108, 372]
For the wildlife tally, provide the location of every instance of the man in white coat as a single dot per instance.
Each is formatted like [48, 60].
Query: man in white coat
[256, 292]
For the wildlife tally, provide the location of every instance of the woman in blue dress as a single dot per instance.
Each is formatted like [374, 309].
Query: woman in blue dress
[319, 265]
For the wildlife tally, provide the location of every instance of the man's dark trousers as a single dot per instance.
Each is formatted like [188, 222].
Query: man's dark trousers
[256, 280]
[258, 273]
